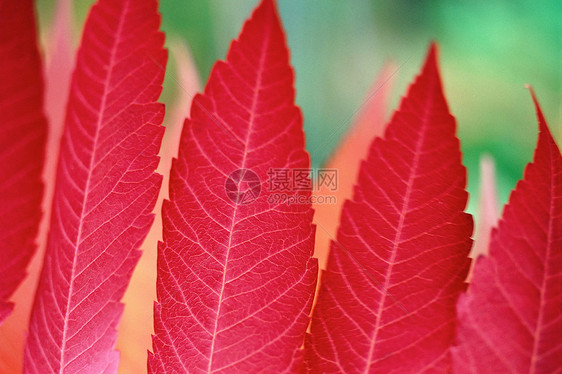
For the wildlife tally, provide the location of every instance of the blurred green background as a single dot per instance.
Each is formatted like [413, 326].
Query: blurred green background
[489, 50]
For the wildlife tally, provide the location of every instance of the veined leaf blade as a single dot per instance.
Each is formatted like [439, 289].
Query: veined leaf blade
[235, 280]
[22, 144]
[387, 299]
[105, 191]
[510, 317]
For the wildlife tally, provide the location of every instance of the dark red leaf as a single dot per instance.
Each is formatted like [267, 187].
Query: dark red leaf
[22, 144]
[236, 276]
[105, 191]
[510, 320]
[387, 299]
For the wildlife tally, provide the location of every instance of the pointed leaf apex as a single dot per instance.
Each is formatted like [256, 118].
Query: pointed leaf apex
[431, 59]
[545, 136]
[371, 300]
[525, 247]
[540, 117]
[268, 6]
[214, 238]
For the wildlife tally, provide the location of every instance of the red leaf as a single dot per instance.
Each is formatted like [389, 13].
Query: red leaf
[510, 318]
[105, 191]
[58, 63]
[22, 144]
[387, 299]
[236, 277]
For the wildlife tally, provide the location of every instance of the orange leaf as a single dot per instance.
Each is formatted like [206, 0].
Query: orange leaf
[368, 124]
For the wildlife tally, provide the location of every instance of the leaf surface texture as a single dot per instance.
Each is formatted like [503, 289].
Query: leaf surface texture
[510, 319]
[236, 277]
[105, 190]
[387, 299]
[22, 144]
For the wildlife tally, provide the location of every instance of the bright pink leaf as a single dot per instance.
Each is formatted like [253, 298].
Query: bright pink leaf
[236, 276]
[105, 191]
[59, 62]
[510, 320]
[22, 144]
[387, 299]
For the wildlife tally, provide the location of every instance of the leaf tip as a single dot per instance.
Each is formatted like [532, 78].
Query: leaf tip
[267, 6]
[432, 56]
[544, 132]
[540, 117]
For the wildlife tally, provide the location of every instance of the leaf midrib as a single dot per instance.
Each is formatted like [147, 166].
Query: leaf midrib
[111, 66]
[403, 213]
[260, 70]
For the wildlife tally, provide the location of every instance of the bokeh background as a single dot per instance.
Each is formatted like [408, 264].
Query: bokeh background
[489, 51]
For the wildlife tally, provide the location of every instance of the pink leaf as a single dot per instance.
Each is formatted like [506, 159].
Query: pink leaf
[387, 299]
[510, 318]
[22, 144]
[105, 191]
[236, 275]
[59, 61]
[59, 64]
